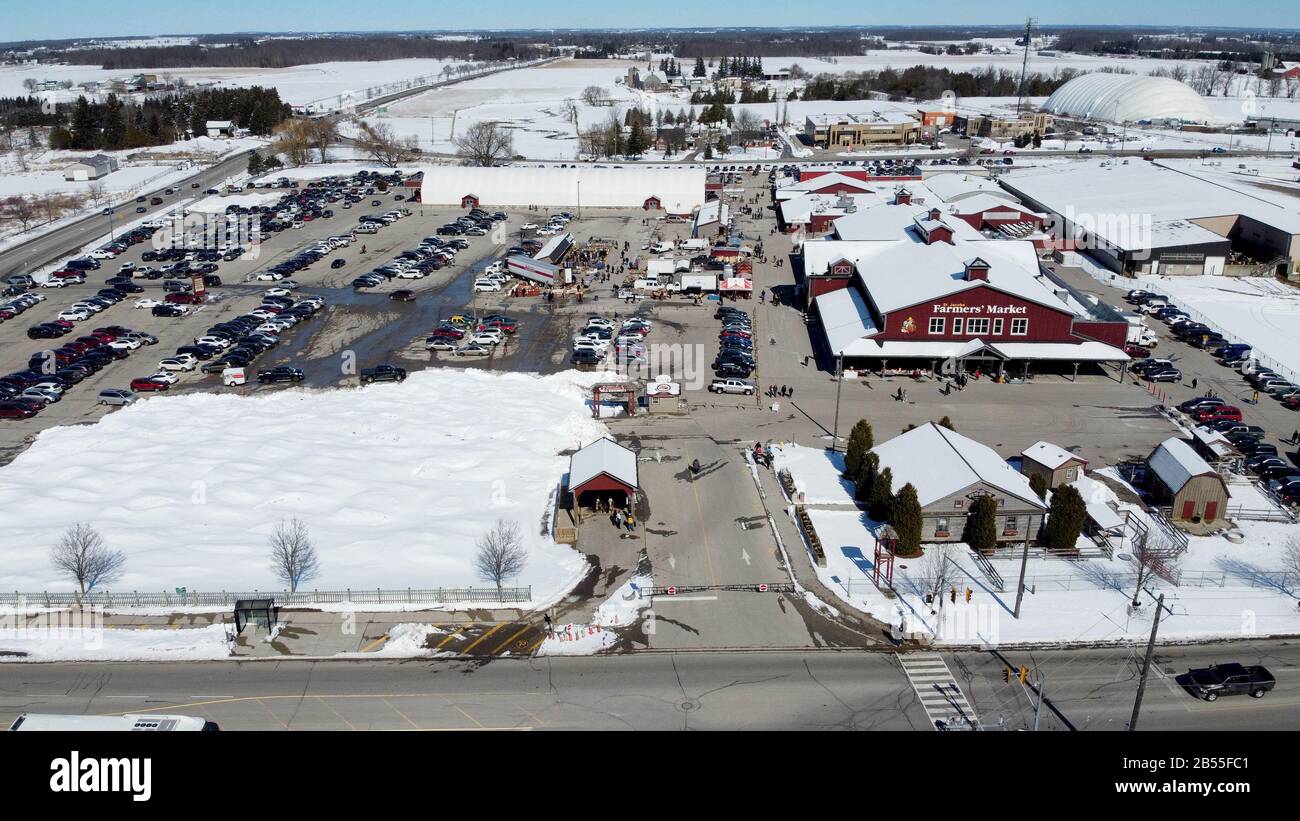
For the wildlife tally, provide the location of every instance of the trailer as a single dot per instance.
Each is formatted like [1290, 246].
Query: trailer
[533, 269]
[703, 283]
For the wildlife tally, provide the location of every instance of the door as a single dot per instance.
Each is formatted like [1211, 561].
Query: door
[1189, 509]
[1211, 511]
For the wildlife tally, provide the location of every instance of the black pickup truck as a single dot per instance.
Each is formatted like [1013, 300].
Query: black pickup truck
[1228, 680]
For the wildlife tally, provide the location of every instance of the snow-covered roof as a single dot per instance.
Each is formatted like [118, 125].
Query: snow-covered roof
[713, 211]
[604, 456]
[888, 221]
[819, 182]
[844, 318]
[554, 247]
[983, 203]
[1145, 188]
[1216, 441]
[1175, 463]
[800, 210]
[680, 189]
[954, 187]
[1128, 98]
[939, 462]
[1050, 456]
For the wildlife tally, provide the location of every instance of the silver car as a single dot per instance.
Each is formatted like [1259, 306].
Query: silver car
[116, 396]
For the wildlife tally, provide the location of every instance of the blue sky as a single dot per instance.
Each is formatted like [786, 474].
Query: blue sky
[88, 18]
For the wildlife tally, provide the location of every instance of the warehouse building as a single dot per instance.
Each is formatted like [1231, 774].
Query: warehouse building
[675, 190]
[91, 168]
[1140, 218]
[849, 132]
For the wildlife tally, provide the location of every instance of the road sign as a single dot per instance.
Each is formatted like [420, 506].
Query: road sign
[762, 588]
[672, 591]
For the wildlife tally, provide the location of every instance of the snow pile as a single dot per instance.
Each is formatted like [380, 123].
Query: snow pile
[407, 640]
[90, 643]
[618, 611]
[815, 472]
[395, 482]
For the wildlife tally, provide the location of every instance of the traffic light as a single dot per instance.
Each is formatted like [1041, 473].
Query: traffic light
[1024, 674]
[968, 595]
[1006, 674]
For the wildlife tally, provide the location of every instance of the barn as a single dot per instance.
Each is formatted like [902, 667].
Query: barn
[1179, 478]
[602, 471]
[678, 190]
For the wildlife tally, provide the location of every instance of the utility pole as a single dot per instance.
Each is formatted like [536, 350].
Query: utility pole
[1024, 66]
[839, 381]
[1038, 707]
[1146, 663]
[1020, 587]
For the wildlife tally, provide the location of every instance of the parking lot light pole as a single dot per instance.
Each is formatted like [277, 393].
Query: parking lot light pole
[839, 381]
[108, 212]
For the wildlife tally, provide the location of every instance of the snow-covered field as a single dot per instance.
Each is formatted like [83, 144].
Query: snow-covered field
[394, 482]
[92, 643]
[1071, 601]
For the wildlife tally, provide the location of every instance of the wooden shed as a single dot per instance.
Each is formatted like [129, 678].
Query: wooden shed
[602, 472]
[1181, 479]
[1055, 464]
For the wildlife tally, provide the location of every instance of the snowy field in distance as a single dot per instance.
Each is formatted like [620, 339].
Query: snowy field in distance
[395, 483]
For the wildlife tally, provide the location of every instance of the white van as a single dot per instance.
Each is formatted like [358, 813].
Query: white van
[366, 228]
[234, 376]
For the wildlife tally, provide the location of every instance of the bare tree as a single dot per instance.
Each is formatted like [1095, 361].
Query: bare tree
[570, 109]
[293, 141]
[594, 95]
[29, 84]
[20, 210]
[382, 144]
[82, 554]
[95, 192]
[293, 556]
[486, 143]
[501, 553]
[939, 570]
[1291, 558]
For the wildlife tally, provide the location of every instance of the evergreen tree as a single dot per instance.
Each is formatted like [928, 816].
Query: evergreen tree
[905, 517]
[699, 68]
[864, 480]
[981, 525]
[255, 164]
[882, 496]
[861, 440]
[85, 131]
[1038, 484]
[637, 140]
[1065, 518]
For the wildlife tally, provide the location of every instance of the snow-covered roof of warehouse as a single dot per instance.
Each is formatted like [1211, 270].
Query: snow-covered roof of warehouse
[954, 187]
[845, 318]
[891, 222]
[680, 189]
[939, 462]
[1138, 189]
[1128, 98]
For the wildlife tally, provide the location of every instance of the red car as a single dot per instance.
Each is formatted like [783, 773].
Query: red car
[16, 410]
[106, 334]
[181, 299]
[66, 273]
[735, 335]
[1292, 402]
[448, 333]
[1137, 351]
[504, 327]
[63, 323]
[1218, 413]
[145, 384]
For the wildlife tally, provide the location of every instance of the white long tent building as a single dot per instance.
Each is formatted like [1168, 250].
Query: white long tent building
[676, 190]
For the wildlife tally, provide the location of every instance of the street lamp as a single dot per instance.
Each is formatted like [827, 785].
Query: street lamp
[108, 212]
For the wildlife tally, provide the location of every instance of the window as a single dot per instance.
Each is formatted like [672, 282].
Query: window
[997, 325]
[956, 324]
[1019, 327]
[977, 326]
[957, 503]
[1012, 524]
[936, 324]
[1069, 473]
[941, 527]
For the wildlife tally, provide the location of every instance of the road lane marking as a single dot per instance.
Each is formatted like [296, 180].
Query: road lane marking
[503, 645]
[374, 643]
[480, 639]
[459, 632]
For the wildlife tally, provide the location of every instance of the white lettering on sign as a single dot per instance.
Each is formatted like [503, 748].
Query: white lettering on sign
[946, 308]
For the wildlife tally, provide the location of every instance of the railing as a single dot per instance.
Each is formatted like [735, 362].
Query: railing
[1093, 576]
[301, 598]
[810, 534]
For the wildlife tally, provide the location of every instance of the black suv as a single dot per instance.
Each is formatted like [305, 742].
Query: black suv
[281, 373]
[382, 373]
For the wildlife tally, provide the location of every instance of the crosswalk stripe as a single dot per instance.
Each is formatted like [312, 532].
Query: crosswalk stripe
[937, 691]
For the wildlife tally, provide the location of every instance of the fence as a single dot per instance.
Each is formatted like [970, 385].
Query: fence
[301, 598]
[1094, 578]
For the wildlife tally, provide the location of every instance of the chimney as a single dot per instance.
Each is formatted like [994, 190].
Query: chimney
[977, 269]
[902, 197]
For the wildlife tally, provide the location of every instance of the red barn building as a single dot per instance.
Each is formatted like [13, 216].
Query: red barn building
[602, 471]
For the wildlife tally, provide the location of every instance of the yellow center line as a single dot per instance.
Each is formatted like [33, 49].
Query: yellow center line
[480, 639]
[374, 644]
[506, 643]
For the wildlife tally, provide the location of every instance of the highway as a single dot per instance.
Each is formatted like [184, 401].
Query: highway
[69, 239]
[1090, 689]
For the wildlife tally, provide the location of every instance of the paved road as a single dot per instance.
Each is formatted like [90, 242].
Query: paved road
[70, 238]
[1091, 689]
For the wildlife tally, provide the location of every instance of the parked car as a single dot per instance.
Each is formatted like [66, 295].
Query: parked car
[146, 384]
[280, 373]
[383, 373]
[739, 386]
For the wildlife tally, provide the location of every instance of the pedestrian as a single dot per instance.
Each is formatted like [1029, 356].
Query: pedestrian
[791, 393]
[363, 249]
[1295, 437]
[1254, 398]
[546, 620]
[1193, 383]
[614, 518]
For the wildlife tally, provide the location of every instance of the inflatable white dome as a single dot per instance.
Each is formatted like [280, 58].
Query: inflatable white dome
[1127, 98]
